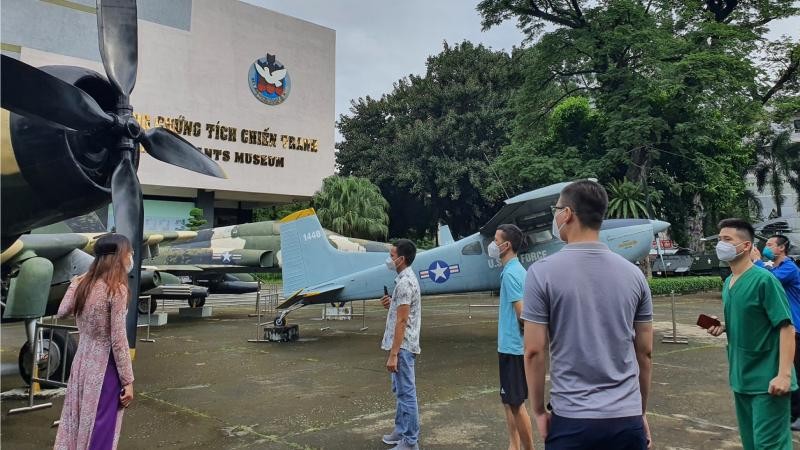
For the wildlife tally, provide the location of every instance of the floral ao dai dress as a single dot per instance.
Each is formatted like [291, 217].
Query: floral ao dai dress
[92, 413]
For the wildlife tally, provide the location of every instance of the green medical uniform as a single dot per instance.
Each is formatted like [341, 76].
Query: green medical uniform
[756, 308]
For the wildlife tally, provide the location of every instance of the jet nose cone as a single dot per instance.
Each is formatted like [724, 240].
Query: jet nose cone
[659, 225]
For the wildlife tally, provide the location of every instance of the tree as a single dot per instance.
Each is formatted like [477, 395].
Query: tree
[352, 206]
[626, 200]
[278, 212]
[196, 220]
[776, 156]
[428, 144]
[675, 88]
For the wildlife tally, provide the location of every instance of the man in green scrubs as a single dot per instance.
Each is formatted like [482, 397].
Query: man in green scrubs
[760, 342]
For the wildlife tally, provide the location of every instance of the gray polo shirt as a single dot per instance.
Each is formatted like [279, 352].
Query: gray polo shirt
[590, 298]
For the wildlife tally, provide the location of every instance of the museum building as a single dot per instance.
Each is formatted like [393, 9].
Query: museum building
[252, 88]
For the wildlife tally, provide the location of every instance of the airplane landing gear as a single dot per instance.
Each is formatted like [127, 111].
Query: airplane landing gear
[57, 350]
[280, 331]
[287, 333]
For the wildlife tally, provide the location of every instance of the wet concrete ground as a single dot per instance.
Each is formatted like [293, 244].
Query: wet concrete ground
[202, 385]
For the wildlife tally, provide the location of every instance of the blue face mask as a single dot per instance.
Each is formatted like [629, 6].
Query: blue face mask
[768, 253]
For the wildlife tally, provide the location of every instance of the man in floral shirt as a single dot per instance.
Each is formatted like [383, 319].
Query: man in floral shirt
[401, 340]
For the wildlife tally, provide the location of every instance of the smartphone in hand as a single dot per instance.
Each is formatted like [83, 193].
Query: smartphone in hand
[704, 321]
[385, 301]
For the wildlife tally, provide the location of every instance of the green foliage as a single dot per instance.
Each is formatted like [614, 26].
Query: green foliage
[196, 220]
[278, 212]
[626, 200]
[268, 277]
[777, 161]
[671, 95]
[428, 143]
[684, 285]
[352, 206]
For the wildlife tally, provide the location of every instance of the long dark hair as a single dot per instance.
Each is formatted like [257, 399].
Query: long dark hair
[111, 253]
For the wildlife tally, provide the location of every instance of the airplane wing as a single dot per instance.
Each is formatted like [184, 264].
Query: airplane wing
[528, 211]
[176, 269]
[318, 295]
[48, 246]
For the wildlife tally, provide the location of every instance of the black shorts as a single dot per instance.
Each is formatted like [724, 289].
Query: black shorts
[622, 433]
[513, 387]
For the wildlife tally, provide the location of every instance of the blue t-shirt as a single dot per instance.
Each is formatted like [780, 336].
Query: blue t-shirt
[509, 337]
[789, 276]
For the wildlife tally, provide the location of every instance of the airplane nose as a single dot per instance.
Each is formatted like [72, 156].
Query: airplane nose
[659, 225]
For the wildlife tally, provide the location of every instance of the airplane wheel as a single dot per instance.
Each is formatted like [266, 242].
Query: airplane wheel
[196, 302]
[141, 306]
[279, 321]
[60, 349]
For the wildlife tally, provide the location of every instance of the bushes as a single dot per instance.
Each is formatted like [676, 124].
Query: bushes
[684, 285]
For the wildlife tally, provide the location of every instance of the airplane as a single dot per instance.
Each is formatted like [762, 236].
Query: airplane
[246, 248]
[68, 255]
[69, 144]
[215, 261]
[316, 273]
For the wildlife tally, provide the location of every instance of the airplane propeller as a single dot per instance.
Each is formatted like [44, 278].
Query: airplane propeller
[29, 91]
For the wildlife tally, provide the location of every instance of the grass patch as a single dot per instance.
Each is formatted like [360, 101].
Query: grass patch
[684, 285]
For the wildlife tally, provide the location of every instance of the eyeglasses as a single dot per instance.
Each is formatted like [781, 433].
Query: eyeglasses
[555, 208]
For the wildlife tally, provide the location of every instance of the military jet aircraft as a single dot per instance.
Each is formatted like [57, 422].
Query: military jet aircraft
[316, 273]
[246, 248]
[69, 143]
[68, 255]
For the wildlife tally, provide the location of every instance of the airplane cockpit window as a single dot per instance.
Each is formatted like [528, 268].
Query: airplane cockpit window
[539, 236]
[535, 221]
[473, 248]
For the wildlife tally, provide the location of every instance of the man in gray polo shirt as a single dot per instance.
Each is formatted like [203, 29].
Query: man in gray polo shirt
[593, 310]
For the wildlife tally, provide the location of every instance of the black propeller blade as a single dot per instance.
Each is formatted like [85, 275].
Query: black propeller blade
[126, 196]
[119, 45]
[29, 91]
[166, 146]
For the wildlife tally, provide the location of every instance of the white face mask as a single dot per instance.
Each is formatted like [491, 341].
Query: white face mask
[727, 251]
[556, 230]
[129, 266]
[390, 264]
[494, 250]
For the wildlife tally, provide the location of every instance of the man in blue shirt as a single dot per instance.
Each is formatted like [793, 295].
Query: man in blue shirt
[513, 387]
[786, 271]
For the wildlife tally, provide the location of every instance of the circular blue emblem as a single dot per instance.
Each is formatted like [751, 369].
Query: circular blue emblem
[269, 80]
[439, 271]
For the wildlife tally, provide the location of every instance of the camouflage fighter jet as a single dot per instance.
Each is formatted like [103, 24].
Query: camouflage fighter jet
[63, 256]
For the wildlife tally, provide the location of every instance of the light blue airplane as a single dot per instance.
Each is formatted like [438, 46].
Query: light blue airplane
[314, 272]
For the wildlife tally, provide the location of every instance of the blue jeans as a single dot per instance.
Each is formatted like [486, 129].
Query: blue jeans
[406, 419]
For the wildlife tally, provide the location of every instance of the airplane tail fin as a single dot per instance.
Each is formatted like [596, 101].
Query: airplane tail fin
[308, 258]
[444, 236]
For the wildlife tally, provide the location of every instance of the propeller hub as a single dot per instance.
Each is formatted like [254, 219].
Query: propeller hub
[132, 128]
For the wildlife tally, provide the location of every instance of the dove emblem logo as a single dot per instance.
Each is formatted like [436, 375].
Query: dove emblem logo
[269, 80]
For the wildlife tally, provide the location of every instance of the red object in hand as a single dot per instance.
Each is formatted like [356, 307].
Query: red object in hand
[704, 321]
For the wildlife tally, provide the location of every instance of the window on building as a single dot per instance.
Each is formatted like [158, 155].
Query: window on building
[797, 125]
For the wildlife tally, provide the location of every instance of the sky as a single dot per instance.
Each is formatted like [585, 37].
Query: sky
[380, 41]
